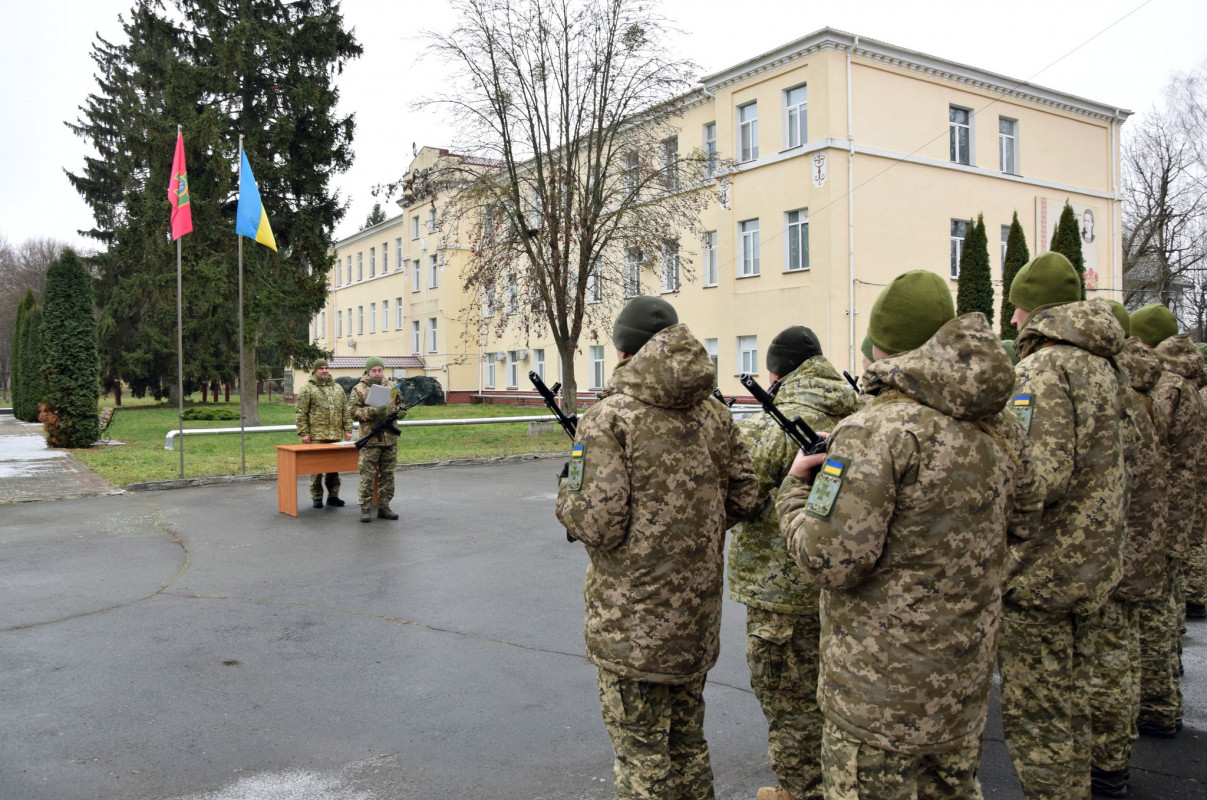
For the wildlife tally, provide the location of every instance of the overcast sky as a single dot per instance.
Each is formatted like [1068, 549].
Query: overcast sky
[1117, 52]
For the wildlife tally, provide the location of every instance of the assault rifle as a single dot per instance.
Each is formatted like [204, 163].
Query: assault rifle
[716, 392]
[386, 423]
[797, 429]
[851, 380]
[569, 422]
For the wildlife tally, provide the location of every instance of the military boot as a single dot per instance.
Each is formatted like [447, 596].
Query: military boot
[385, 513]
[365, 516]
[1109, 783]
[332, 500]
[317, 503]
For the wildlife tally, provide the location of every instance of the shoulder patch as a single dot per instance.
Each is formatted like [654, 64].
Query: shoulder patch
[1023, 409]
[574, 478]
[825, 488]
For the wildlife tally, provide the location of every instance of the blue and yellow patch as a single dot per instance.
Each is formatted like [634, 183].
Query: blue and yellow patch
[1023, 409]
[574, 476]
[825, 488]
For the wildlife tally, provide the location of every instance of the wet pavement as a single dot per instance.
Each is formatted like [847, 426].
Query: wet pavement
[195, 644]
[29, 470]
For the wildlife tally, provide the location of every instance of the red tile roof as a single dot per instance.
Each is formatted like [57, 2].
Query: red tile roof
[391, 362]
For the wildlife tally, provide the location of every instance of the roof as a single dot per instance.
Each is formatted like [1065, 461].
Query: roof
[358, 362]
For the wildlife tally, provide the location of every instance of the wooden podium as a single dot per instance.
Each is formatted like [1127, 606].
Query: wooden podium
[307, 459]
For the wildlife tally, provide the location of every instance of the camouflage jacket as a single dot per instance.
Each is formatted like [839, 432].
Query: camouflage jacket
[322, 411]
[907, 537]
[366, 415]
[1147, 466]
[1068, 394]
[663, 473]
[761, 572]
[1179, 409]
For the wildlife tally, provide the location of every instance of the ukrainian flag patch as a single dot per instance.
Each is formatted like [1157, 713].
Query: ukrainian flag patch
[826, 486]
[1023, 409]
[574, 477]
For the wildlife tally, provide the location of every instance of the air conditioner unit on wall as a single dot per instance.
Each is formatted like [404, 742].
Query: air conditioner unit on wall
[500, 356]
[521, 355]
[352, 343]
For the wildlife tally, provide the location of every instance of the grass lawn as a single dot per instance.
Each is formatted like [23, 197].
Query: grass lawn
[141, 425]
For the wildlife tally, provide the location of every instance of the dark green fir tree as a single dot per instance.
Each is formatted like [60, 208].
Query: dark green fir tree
[27, 304]
[1066, 240]
[69, 355]
[974, 287]
[32, 378]
[1017, 255]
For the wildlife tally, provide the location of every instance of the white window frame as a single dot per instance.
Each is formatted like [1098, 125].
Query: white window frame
[538, 362]
[432, 328]
[1005, 239]
[488, 302]
[958, 235]
[360, 266]
[748, 248]
[1007, 145]
[323, 326]
[415, 333]
[398, 254]
[748, 131]
[385, 257]
[339, 324]
[489, 379]
[414, 226]
[360, 320]
[748, 355]
[796, 118]
[712, 347]
[596, 354]
[796, 232]
[397, 313]
[669, 152]
[512, 295]
[632, 272]
[434, 272]
[709, 134]
[416, 277]
[959, 152]
[708, 255]
[513, 369]
[670, 267]
[372, 317]
[385, 315]
[594, 286]
[349, 270]
[372, 261]
[431, 220]
[630, 176]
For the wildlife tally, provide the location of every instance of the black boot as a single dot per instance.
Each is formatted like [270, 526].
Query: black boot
[1156, 729]
[318, 503]
[1196, 611]
[1109, 782]
[332, 500]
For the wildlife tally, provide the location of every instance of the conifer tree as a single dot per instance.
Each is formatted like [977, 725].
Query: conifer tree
[1017, 255]
[69, 356]
[1066, 240]
[974, 287]
[23, 308]
[32, 378]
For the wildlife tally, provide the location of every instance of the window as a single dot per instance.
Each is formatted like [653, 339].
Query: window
[1005, 238]
[349, 321]
[385, 315]
[748, 132]
[414, 266]
[397, 313]
[490, 370]
[630, 174]
[597, 366]
[431, 220]
[513, 369]
[710, 149]
[513, 295]
[711, 346]
[385, 258]
[431, 334]
[323, 326]
[398, 253]
[748, 244]
[709, 246]
[670, 163]
[372, 261]
[959, 229]
[349, 276]
[1007, 144]
[670, 266]
[594, 286]
[360, 266]
[372, 317]
[538, 363]
[434, 269]
[796, 131]
[415, 336]
[748, 354]
[632, 272]
[488, 302]
[360, 320]
[798, 240]
[339, 324]
[415, 226]
[961, 135]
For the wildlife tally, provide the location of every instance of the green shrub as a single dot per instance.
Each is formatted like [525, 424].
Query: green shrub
[201, 412]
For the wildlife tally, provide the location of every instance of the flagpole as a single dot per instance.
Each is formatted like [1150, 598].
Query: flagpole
[179, 350]
[242, 382]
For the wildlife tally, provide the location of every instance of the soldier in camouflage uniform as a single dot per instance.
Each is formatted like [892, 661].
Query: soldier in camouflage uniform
[1196, 581]
[322, 416]
[1179, 410]
[379, 456]
[1064, 565]
[904, 529]
[782, 624]
[1117, 667]
[657, 474]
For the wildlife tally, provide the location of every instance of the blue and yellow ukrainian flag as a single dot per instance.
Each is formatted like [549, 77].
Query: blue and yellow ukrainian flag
[251, 220]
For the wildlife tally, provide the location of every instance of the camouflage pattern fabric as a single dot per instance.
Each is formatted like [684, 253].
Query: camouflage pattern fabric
[379, 456]
[1196, 563]
[319, 479]
[782, 653]
[1160, 695]
[366, 415]
[911, 546]
[657, 733]
[662, 474]
[1045, 660]
[322, 414]
[1115, 684]
[855, 770]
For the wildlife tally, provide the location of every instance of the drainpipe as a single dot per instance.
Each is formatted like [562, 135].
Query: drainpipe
[851, 217]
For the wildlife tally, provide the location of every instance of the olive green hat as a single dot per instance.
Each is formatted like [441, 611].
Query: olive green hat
[639, 320]
[319, 363]
[373, 361]
[866, 348]
[790, 348]
[1154, 324]
[1121, 314]
[1008, 346]
[1049, 279]
[909, 311]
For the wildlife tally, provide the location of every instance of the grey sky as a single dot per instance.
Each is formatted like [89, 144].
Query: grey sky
[44, 58]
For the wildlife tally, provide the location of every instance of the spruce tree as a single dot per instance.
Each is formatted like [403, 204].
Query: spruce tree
[69, 354]
[1017, 256]
[1066, 240]
[974, 287]
[14, 362]
[32, 378]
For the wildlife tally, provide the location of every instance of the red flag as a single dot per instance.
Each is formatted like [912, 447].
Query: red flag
[178, 193]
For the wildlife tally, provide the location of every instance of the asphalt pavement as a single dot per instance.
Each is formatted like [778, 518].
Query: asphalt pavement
[196, 644]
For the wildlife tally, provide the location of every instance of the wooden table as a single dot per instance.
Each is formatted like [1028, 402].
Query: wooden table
[307, 459]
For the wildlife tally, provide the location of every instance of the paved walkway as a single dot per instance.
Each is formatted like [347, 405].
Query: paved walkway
[29, 470]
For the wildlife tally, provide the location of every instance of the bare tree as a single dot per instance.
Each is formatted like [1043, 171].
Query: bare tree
[22, 267]
[571, 181]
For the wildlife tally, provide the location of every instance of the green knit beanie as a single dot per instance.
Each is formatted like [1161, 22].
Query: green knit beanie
[1008, 345]
[790, 348]
[639, 320]
[1154, 324]
[1049, 279]
[1121, 315]
[908, 312]
[373, 361]
[866, 348]
[319, 363]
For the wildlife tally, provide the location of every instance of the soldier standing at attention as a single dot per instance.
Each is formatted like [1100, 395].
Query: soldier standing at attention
[1064, 565]
[782, 624]
[657, 474]
[322, 416]
[903, 525]
[379, 456]
[1196, 581]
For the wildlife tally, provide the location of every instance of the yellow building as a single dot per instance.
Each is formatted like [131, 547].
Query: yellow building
[926, 144]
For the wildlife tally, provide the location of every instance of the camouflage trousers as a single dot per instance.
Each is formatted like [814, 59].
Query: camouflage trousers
[1161, 626]
[855, 770]
[331, 479]
[1115, 684]
[377, 463]
[1045, 660]
[782, 652]
[1196, 573]
[657, 732]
